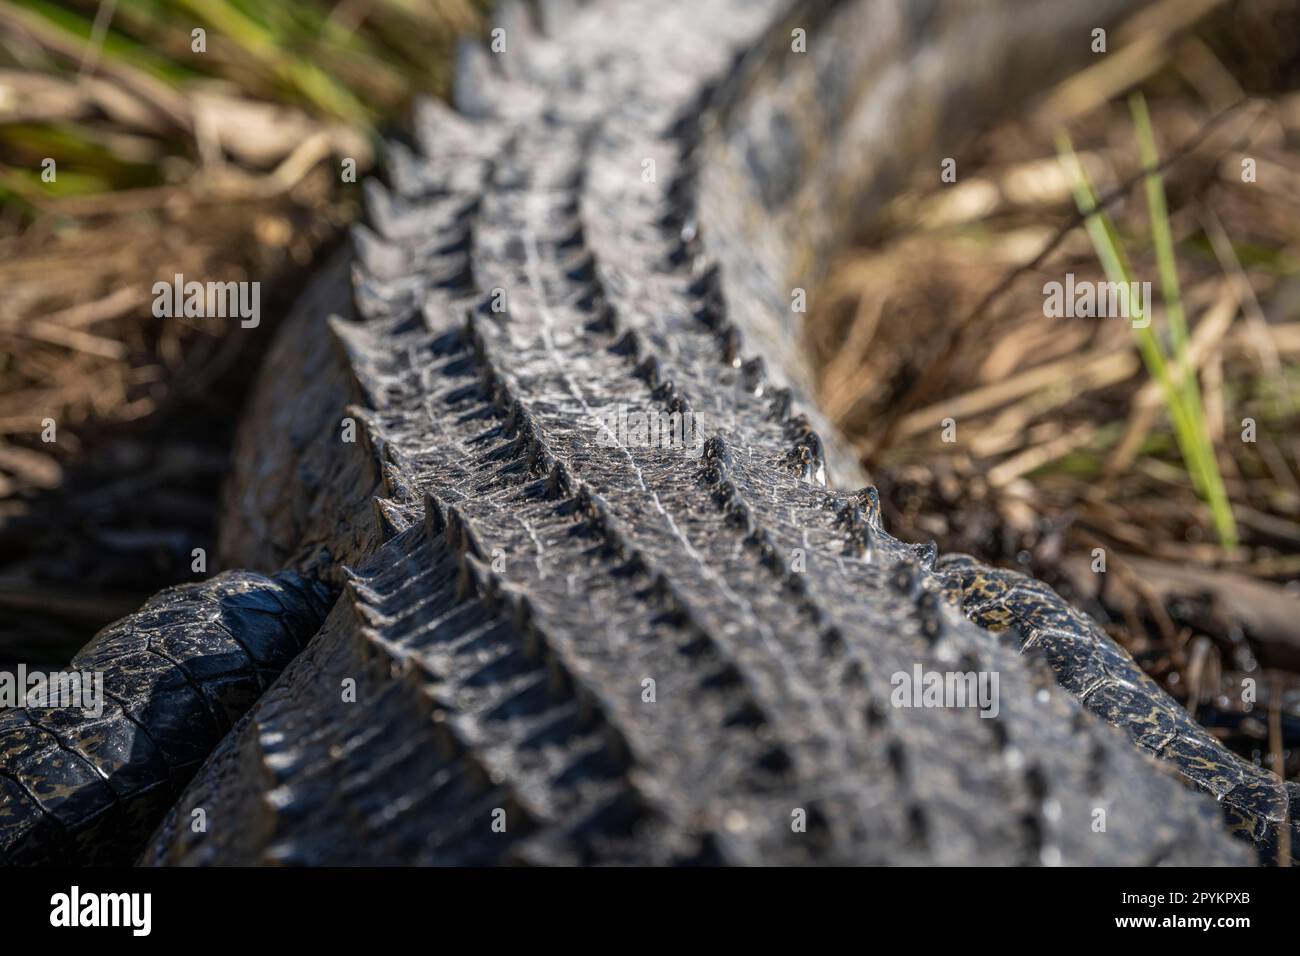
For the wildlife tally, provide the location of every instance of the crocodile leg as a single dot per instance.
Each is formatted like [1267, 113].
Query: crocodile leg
[1111, 684]
[85, 785]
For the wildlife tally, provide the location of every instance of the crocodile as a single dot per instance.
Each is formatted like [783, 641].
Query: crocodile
[557, 642]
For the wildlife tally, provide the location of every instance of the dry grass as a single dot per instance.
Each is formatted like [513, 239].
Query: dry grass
[1063, 441]
[221, 165]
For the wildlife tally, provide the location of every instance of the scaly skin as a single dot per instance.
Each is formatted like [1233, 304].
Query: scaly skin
[512, 575]
[78, 788]
[1110, 684]
[531, 578]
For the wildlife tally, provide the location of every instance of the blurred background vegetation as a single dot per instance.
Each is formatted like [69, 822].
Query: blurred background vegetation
[1064, 436]
[215, 154]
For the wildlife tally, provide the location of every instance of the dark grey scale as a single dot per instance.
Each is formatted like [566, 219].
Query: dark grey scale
[64, 785]
[999, 732]
[853, 675]
[897, 757]
[771, 558]
[729, 339]
[648, 370]
[930, 608]
[628, 344]
[776, 761]
[706, 286]
[589, 298]
[681, 190]
[818, 830]
[713, 471]
[869, 499]
[581, 270]
[558, 483]
[1152, 728]
[1044, 611]
[219, 669]
[1035, 825]
[752, 373]
[926, 555]
[681, 252]
[905, 579]
[604, 320]
[832, 643]
[1069, 653]
[738, 512]
[471, 392]
[918, 826]
[876, 718]
[671, 216]
[129, 762]
[712, 315]
[1220, 778]
[716, 451]
[804, 462]
[390, 519]
[806, 437]
[779, 409]
[858, 539]
[1096, 771]
[668, 394]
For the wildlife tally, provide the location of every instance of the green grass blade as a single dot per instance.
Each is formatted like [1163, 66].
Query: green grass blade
[1211, 484]
[1162, 235]
[1114, 259]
